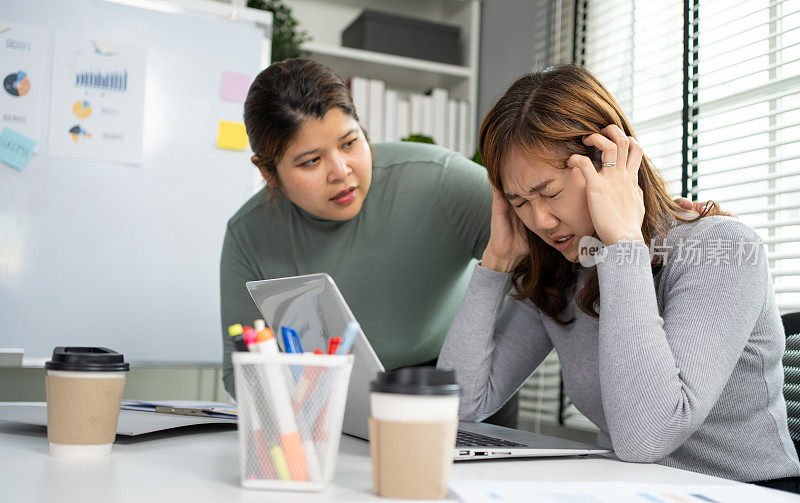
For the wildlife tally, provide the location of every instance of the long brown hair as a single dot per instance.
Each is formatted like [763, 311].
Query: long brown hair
[545, 115]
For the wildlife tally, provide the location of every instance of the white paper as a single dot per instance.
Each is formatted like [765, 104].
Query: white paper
[497, 491]
[377, 90]
[359, 89]
[23, 65]
[97, 110]
[439, 98]
[105, 47]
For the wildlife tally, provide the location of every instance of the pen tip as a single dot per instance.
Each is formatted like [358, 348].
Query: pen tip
[235, 330]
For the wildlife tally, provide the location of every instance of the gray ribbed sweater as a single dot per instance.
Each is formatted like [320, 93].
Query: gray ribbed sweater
[682, 368]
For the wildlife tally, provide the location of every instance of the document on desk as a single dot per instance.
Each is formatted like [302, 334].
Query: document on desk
[499, 491]
[131, 422]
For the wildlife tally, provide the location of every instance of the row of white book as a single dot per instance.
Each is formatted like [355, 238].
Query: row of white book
[388, 115]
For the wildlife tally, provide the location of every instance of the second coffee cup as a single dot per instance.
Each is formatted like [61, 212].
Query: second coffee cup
[412, 428]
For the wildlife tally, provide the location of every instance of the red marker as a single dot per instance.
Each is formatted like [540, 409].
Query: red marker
[333, 345]
[249, 335]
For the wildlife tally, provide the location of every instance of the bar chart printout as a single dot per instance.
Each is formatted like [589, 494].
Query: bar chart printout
[116, 81]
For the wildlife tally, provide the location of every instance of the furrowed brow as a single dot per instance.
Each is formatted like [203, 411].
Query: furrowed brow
[537, 188]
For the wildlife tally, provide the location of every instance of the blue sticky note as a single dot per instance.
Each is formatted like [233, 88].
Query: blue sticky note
[15, 148]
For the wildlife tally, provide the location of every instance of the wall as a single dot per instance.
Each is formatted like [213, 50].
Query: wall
[515, 38]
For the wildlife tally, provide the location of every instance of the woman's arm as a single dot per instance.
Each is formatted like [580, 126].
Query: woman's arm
[494, 344]
[661, 376]
[464, 195]
[236, 305]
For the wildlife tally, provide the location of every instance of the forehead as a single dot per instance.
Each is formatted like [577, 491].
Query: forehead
[520, 172]
[332, 126]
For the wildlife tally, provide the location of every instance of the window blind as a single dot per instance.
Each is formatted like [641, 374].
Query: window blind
[636, 49]
[748, 126]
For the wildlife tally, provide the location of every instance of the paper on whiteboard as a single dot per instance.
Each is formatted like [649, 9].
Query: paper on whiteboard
[23, 63]
[498, 491]
[97, 110]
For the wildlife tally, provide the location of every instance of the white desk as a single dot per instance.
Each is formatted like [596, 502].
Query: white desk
[204, 466]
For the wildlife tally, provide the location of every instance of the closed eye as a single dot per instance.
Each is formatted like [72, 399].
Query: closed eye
[554, 195]
[520, 204]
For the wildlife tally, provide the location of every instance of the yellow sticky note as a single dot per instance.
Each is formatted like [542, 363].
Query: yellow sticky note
[231, 136]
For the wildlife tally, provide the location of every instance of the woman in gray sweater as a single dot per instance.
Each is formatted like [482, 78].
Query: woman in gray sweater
[665, 322]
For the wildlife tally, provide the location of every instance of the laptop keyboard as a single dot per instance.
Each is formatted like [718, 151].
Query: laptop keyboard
[467, 439]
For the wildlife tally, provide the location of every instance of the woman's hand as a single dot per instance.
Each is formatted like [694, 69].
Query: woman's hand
[508, 243]
[615, 198]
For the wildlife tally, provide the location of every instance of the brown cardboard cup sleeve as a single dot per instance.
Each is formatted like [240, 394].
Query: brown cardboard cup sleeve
[411, 460]
[83, 411]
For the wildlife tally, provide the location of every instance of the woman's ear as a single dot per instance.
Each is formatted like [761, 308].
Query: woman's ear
[268, 176]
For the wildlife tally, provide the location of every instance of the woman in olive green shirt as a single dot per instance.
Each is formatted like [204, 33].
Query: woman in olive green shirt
[395, 225]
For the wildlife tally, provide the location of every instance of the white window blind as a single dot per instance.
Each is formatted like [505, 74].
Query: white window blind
[539, 398]
[748, 125]
[635, 48]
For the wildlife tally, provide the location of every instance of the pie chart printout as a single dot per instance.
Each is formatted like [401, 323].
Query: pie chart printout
[17, 84]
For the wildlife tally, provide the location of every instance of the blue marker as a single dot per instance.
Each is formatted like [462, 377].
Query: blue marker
[292, 345]
[290, 340]
[348, 338]
[296, 340]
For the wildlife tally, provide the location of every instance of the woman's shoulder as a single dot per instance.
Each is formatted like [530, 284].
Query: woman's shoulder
[428, 166]
[713, 227]
[710, 241]
[405, 153]
[252, 209]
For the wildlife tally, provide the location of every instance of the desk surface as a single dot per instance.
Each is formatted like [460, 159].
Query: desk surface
[203, 465]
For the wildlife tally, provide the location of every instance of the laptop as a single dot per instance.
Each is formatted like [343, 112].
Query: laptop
[313, 306]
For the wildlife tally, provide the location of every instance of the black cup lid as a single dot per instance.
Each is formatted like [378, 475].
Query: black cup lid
[417, 381]
[84, 359]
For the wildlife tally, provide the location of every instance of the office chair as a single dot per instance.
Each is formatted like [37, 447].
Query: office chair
[791, 374]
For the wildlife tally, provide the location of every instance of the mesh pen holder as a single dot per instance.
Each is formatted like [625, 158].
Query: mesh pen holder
[291, 408]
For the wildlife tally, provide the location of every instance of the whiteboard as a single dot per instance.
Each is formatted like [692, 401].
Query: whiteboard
[127, 256]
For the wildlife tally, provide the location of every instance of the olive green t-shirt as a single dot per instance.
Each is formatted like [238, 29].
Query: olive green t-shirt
[402, 264]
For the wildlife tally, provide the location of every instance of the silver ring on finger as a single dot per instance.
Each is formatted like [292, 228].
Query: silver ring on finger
[609, 164]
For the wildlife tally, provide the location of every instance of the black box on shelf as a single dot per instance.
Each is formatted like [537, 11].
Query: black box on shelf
[402, 36]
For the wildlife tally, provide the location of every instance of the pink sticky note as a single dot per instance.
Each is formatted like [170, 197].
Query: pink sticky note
[234, 86]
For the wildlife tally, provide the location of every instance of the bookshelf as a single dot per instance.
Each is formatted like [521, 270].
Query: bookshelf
[325, 20]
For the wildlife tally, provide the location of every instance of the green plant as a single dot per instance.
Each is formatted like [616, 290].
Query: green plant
[477, 158]
[287, 35]
[427, 139]
[418, 138]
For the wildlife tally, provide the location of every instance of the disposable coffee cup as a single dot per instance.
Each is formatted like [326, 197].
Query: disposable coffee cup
[84, 393]
[412, 430]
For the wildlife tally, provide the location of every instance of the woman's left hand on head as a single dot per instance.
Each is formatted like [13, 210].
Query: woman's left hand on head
[613, 193]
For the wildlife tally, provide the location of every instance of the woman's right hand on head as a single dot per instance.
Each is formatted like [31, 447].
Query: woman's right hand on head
[508, 241]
